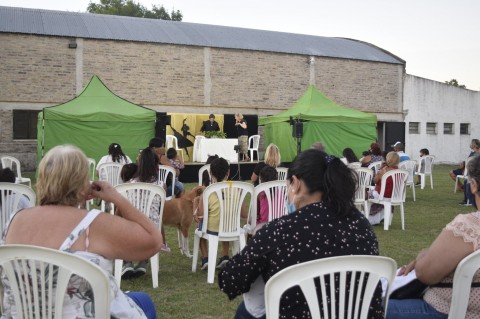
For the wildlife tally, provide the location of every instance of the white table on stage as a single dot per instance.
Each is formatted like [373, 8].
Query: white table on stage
[223, 147]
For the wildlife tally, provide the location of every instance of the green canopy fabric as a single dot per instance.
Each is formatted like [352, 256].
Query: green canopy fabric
[334, 125]
[95, 119]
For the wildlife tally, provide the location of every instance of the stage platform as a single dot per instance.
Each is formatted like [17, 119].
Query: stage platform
[190, 173]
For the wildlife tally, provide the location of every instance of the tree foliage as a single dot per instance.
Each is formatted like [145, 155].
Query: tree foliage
[133, 9]
[454, 82]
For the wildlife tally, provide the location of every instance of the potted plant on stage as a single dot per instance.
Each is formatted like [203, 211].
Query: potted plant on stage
[215, 134]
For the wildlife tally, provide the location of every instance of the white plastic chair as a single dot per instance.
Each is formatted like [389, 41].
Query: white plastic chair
[163, 172]
[276, 195]
[399, 178]
[462, 177]
[109, 172]
[91, 166]
[11, 200]
[142, 196]
[462, 281]
[425, 163]
[172, 141]
[230, 195]
[367, 270]
[282, 173]
[204, 168]
[410, 166]
[51, 271]
[253, 143]
[196, 148]
[375, 166]
[365, 176]
[9, 161]
[354, 165]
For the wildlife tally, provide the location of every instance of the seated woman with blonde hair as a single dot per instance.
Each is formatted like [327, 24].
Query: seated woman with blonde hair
[437, 264]
[272, 158]
[58, 223]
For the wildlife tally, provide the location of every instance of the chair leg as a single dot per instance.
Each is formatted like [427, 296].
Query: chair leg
[402, 215]
[118, 271]
[196, 247]
[431, 181]
[413, 191]
[387, 215]
[422, 181]
[455, 186]
[251, 155]
[154, 267]
[212, 257]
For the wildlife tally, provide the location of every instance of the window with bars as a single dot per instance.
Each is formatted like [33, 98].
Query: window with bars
[431, 128]
[464, 128]
[414, 127]
[448, 128]
[25, 124]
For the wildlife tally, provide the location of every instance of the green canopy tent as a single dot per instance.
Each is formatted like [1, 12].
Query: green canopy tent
[93, 120]
[334, 125]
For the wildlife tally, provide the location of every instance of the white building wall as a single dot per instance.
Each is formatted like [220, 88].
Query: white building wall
[430, 101]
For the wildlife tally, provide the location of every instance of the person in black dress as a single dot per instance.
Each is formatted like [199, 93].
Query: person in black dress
[241, 125]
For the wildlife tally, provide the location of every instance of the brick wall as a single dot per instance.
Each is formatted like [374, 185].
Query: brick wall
[41, 70]
[36, 68]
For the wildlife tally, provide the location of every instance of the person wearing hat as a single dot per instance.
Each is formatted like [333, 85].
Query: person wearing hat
[400, 148]
[210, 125]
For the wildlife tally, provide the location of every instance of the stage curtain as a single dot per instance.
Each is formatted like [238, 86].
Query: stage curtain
[194, 123]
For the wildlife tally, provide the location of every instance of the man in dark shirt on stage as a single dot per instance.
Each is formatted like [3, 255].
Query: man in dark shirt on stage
[211, 125]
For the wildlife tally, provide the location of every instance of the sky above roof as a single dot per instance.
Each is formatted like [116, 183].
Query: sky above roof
[438, 39]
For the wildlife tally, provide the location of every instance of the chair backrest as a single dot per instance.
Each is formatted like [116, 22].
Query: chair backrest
[12, 198]
[171, 141]
[254, 141]
[204, 168]
[146, 197]
[110, 172]
[375, 166]
[352, 281]
[282, 173]
[409, 166]
[276, 195]
[399, 179]
[163, 172]
[39, 277]
[426, 162]
[462, 280]
[354, 165]
[365, 176]
[230, 195]
[10, 161]
[91, 166]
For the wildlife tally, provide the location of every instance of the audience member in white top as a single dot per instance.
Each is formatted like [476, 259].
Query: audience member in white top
[115, 155]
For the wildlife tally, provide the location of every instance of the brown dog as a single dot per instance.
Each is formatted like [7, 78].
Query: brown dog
[179, 212]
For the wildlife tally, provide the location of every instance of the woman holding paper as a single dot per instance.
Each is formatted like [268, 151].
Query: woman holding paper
[437, 264]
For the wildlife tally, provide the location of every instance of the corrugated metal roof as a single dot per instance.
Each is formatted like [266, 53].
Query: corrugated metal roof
[99, 26]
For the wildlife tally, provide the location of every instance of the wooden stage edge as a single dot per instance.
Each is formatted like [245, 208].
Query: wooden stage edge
[190, 173]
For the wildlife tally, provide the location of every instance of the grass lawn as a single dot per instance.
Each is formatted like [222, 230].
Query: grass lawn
[183, 294]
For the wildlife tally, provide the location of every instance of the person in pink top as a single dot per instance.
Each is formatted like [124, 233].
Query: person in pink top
[267, 174]
[437, 264]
